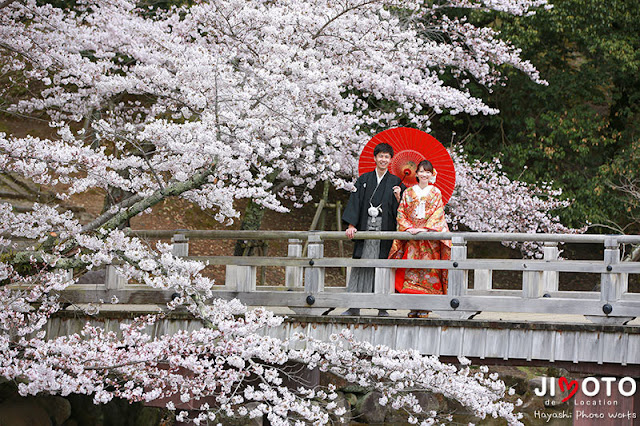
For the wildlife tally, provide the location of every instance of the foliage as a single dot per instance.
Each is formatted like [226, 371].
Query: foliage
[581, 131]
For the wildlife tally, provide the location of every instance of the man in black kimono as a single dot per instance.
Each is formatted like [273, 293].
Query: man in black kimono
[372, 207]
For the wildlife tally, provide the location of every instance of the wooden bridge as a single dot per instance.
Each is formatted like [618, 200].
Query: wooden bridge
[465, 322]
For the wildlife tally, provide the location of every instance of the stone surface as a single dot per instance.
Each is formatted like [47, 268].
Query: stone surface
[84, 412]
[513, 377]
[7, 389]
[150, 416]
[457, 409]
[58, 408]
[342, 402]
[355, 389]
[327, 378]
[119, 411]
[297, 374]
[23, 412]
[368, 409]
[351, 398]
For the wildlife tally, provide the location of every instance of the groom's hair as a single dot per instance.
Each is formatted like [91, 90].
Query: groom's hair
[383, 147]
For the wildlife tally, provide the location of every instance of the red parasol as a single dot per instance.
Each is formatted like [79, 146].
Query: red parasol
[410, 147]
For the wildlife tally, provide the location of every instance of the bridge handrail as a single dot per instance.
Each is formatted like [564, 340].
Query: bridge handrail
[385, 235]
[305, 276]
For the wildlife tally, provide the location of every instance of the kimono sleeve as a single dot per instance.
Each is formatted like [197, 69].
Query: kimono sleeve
[352, 212]
[395, 203]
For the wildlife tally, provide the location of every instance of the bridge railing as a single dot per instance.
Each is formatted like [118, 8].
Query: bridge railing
[304, 288]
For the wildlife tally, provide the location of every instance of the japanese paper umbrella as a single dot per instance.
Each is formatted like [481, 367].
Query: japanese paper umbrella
[411, 146]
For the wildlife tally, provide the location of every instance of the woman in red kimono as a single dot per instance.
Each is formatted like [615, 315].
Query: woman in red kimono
[422, 210]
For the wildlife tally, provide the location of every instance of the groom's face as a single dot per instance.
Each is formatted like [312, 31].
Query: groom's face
[382, 160]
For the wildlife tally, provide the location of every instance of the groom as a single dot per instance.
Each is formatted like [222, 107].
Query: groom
[373, 206]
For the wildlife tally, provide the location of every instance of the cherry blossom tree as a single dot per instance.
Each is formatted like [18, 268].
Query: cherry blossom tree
[213, 102]
[487, 200]
[277, 96]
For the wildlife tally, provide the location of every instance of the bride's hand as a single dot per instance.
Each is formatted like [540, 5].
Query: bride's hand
[414, 231]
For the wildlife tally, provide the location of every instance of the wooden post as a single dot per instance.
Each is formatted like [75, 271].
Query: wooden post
[316, 216]
[482, 279]
[536, 283]
[180, 245]
[347, 276]
[314, 276]
[339, 228]
[314, 223]
[68, 274]
[612, 286]
[325, 198]
[230, 280]
[113, 280]
[240, 278]
[264, 251]
[532, 284]
[458, 279]
[550, 279]
[293, 274]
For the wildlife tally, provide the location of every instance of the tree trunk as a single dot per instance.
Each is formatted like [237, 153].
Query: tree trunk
[251, 220]
[325, 197]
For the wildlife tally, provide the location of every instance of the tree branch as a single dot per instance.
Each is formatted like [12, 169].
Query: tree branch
[196, 181]
[634, 256]
[104, 217]
[6, 3]
[134, 206]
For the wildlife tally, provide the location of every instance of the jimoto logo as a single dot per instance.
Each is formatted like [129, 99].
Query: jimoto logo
[590, 386]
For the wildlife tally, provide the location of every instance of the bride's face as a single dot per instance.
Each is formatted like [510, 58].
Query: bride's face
[424, 175]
